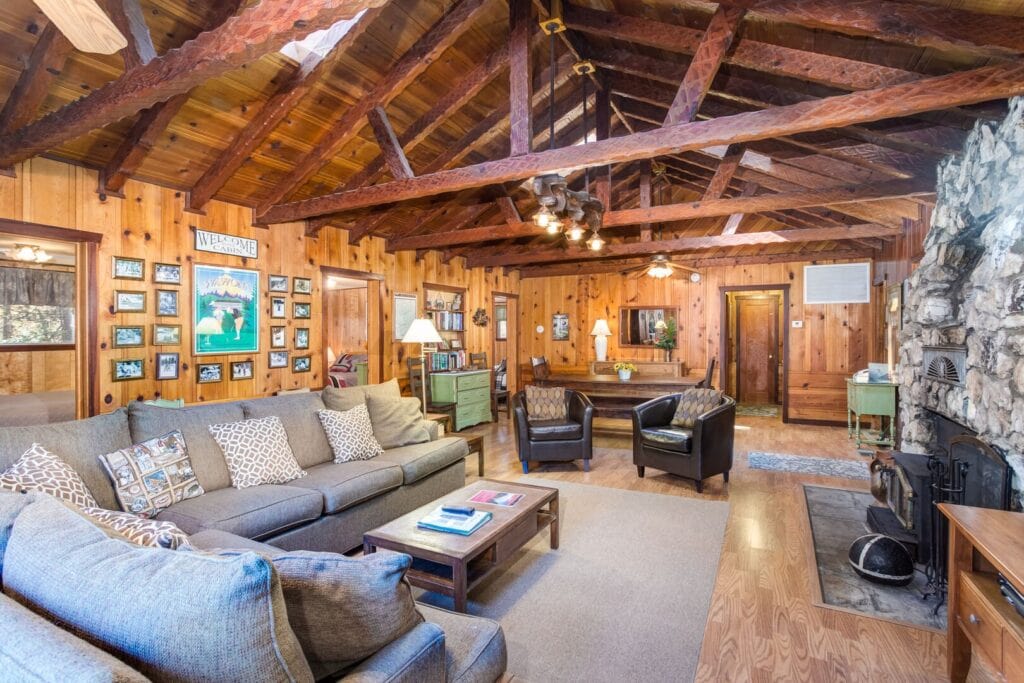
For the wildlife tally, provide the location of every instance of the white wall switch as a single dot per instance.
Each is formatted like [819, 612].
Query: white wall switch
[798, 323]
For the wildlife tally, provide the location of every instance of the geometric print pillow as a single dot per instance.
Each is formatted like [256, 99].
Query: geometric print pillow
[350, 433]
[146, 532]
[152, 475]
[40, 470]
[256, 452]
[692, 404]
[545, 403]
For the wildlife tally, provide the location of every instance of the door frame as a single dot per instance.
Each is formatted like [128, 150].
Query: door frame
[378, 282]
[513, 358]
[87, 384]
[776, 301]
[723, 343]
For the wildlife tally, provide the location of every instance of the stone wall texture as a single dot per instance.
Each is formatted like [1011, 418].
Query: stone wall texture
[969, 290]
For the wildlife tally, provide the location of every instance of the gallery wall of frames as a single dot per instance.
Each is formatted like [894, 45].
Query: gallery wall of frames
[179, 323]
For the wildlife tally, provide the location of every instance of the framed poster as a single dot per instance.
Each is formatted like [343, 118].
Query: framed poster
[225, 310]
[404, 312]
[560, 327]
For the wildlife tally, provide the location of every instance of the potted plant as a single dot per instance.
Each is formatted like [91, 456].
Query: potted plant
[625, 370]
[667, 337]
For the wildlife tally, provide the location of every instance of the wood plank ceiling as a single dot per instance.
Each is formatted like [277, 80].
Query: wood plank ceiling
[741, 131]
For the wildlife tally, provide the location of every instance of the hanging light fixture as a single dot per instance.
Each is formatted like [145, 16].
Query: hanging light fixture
[575, 231]
[659, 268]
[547, 186]
[543, 216]
[596, 242]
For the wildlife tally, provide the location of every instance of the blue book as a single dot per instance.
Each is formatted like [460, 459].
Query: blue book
[451, 523]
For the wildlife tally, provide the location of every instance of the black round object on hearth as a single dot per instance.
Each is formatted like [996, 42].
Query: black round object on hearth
[882, 559]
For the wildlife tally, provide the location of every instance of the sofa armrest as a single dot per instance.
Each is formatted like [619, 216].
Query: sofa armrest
[657, 412]
[714, 433]
[418, 655]
[433, 429]
[520, 422]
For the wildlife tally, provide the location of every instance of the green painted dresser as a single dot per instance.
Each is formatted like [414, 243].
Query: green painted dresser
[469, 390]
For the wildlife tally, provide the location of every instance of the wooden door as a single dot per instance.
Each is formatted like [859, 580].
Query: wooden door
[757, 348]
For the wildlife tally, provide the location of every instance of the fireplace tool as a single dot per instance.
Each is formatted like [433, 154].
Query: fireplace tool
[947, 485]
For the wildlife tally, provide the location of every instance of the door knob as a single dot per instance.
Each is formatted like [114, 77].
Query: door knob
[974, 619]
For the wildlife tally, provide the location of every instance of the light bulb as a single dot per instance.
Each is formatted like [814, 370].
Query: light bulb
[595, 243]
[543, 217]
[575, 232]
[554, 226]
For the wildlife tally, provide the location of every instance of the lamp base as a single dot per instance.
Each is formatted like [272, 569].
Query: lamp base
[601, 347]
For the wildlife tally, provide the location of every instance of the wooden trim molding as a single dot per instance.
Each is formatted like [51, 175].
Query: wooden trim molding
[375, 289]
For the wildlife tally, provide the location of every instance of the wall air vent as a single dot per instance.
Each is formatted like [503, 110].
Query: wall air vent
[947, 364]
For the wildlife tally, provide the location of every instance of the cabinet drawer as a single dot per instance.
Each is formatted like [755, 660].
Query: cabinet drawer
[475, 395]
[980, 621]
[472, 414]
[475, 381]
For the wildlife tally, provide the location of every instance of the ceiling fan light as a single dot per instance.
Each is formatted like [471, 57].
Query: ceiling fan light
[659, 271]
[595, 243]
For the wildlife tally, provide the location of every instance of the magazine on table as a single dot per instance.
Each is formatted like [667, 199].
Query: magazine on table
[454, 523]
[502, 498]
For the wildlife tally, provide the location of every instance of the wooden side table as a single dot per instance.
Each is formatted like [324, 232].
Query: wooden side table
[476, 445]
[871, 398]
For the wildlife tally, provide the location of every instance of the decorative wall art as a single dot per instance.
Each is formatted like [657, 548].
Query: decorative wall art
[277, 337]
[560, 327]
[277, 359]
[129, 268]
[404, 312]
[242, 369]
[129, 302]
[277, 283]
[125, 370]
[229, 245]
[301, 338]
[166, 335]
[301, 311]
[225, 311]
[277, 308]
[167, 365]
[167, 273]
[302, 285]
[209, 373]
[127, 336]
[302, 363]
[480, 318]
[167, 302]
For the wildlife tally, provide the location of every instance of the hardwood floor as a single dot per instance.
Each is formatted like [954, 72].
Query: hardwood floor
[762, 625]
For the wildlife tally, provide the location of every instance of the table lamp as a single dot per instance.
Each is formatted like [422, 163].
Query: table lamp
[422, 332]
[600, 333]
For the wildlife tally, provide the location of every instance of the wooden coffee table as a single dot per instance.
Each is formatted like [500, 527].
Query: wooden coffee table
[453, 565]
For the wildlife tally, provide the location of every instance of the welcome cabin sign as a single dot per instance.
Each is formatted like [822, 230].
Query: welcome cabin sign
[230, 245]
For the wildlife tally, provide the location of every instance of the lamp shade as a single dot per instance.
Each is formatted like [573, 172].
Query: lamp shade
[422, 331]
[601, 328]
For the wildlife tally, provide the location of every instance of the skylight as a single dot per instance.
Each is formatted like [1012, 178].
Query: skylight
[320, 42]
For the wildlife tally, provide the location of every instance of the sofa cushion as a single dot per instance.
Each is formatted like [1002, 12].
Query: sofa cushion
[422, 459]
[396, 421]
[345, 398]
[40, 470]
[671, 438]
[346, 484]
[255, 512]
[257, 452]
[171, 615]
[207, 458]
[152, 533]
[11, 505]
[476, 651]
[418, 655]
[350, 433]
[152, 475]
[217, 540]
[34, 649]
[545, 403]
[77, 443]
[693, 403]
[298, 415]
[555, 430]
[389, 389]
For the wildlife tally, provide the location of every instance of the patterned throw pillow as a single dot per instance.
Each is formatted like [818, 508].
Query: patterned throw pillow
[152, 475]
[40, 470]
[256, 452]
[545, 403]
[146, 532]
[350, 434]
[692, 404]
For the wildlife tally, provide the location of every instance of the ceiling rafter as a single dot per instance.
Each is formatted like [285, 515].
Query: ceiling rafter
[44, 65]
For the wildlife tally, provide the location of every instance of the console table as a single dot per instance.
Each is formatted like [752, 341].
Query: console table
[983, 543]
[469, 390]
[614, 398]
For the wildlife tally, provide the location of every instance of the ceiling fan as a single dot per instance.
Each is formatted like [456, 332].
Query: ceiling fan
[661, 267]
[85, 24]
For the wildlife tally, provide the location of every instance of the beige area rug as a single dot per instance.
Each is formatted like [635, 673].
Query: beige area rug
[624, 598]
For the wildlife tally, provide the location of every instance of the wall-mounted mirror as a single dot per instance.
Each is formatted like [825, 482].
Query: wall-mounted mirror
[638, 325]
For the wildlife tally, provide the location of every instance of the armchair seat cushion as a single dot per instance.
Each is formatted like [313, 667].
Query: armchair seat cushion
[555, 430]
[668, 438]
[256, 512]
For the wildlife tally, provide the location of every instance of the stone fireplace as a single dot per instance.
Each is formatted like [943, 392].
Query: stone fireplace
[965, 303]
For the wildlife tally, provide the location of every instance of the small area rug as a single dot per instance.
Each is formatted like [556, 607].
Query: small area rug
[802, 464]
[624, 598]
[837, 518]
[757, 411]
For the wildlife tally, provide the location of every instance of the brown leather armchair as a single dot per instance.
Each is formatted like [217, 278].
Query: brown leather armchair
[555, 440]
[698, 453]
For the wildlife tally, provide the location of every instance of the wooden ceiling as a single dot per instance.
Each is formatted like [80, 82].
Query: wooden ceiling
[778, 129]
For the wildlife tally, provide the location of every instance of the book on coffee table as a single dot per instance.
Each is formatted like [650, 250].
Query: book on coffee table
[452, 523]
[502, 498]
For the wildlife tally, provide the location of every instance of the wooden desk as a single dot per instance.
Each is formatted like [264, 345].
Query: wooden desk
[615, 398]
[981, 543]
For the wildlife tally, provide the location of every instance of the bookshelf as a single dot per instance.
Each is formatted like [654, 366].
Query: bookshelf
[445, 305]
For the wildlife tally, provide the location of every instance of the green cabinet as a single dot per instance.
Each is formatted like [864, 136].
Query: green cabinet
[871, 398]
[469, 390]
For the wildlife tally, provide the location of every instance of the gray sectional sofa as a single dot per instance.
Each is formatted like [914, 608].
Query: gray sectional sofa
[327, 510]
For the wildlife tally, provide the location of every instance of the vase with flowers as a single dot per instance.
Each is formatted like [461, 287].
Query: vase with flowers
[625, 370]
[666, 337]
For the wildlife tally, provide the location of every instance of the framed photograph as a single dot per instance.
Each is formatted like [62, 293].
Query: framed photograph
[277, 337]
[560, 327]
[301, 337]
[277, 359]
[242, 369]
[302, 363]
[225, 310]
[404, 308]
[210, 373]
[167, 302]
[302, 285]
[125, 370]
[167, 365]
[166, 335]
[129, 302]
[456, 344]
[300, 311]
[167, 273]
[127, 336]
[277, 283]
[277, 309]
[129, 268]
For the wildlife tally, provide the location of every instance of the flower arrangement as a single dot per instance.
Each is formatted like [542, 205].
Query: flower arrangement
[624, 365]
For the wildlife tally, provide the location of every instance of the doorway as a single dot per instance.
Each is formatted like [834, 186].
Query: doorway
[505, 343]
[754, 347]
[352, 327]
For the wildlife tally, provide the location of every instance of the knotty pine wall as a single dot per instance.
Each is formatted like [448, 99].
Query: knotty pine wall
[150, 223]
[30, 372]
[835, 341]
[346, 315]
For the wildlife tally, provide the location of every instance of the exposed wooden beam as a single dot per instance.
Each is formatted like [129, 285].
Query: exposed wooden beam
[509, 210]
[732, 224]
[645, 196]
[965, 87]
[261, 28]
[723, 174]
[128, 17]
[602, 130]
[389, 145]
[414, 62]
[293, 89]
[520, 71]
[44, 64]
[706, 59]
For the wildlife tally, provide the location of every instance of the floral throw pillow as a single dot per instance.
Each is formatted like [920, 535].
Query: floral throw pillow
[146, 532]
[40, 470]
[256, 452]
[350, 433]
[692, 404]
[153, 475]
[545, 403]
